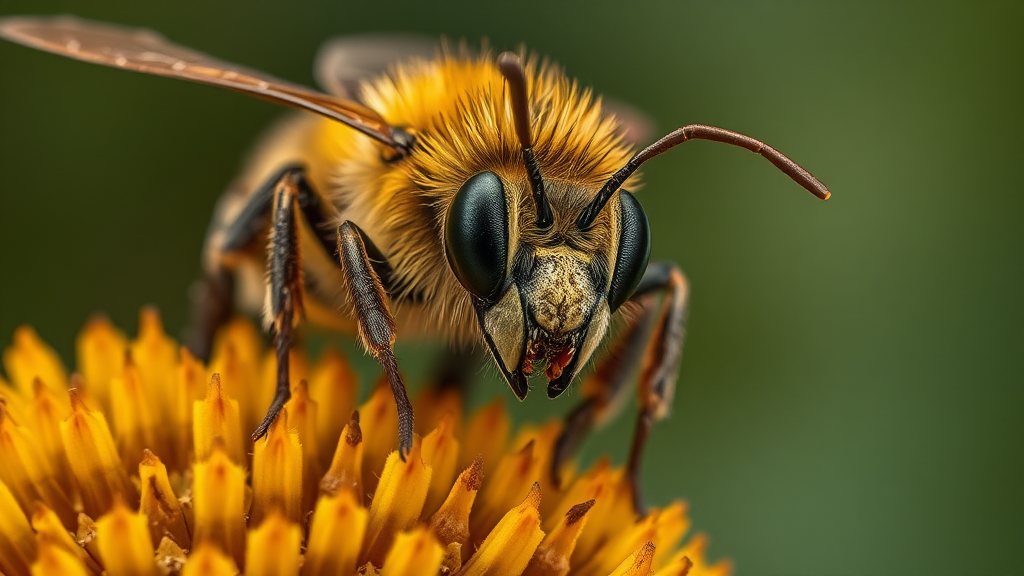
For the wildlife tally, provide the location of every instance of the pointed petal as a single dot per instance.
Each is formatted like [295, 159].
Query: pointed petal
[277, 474]
[302, 415]
[17, 543]
[397, 503]
[217, 416]
[334, 385]
[508, 548]
[638, 563]
[94, 459]
[123, 539]
[274, 548]
[414, 553]
[159, 504]
[218, 504]
[326, 553]
[346, 471]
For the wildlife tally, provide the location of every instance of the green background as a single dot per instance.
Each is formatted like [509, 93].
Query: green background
[851, 395]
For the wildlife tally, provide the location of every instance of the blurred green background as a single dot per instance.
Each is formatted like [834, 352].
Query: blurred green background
[851, 398]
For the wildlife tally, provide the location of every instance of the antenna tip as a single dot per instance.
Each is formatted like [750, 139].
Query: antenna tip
[826, 195]
[507, 58]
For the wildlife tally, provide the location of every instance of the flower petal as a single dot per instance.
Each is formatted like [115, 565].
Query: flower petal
[638, 563]
[209, 561]
[123, 539]
[378, 414]
[333, 384]
[346, 471]
[508, 548]
[159, 504]
[136, 415]
[217, 416]
[274, 548]
[54, 559]
[486, 434]
[326, 553]
[552, 556]
[302, 415]
[29, 358]
[511, 482]
[397, 503]
[237, 353]
[17, 544]
[94, 460]
[414, 553]
[218, 504]
[27, 473]
[99, 351]
[277, 474]
[441, 453]
[451, 522]
[50, 532]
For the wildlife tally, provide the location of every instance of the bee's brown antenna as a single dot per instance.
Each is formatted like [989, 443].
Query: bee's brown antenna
[511, 68]
[700, 132]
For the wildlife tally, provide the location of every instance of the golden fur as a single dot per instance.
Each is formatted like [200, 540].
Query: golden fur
[457, 108]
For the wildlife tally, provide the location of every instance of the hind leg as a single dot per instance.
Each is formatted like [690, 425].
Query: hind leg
[238, 233]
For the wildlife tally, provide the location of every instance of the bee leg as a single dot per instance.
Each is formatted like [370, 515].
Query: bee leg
[660, 366]
[652, 344]
[230, 236]
[212, 307]
[284, 306]
[604, 391]
[376, 324]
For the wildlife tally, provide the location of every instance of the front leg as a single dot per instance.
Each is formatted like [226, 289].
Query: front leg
[660, 368]
[376, 323]
[651, 344]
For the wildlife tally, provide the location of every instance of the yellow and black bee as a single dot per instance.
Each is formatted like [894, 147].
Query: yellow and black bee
[464, 197]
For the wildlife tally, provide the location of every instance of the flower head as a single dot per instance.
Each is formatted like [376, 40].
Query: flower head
[142, 467]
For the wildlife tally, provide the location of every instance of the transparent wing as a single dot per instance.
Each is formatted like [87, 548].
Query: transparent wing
[148, 52]
[634, 126]
[344, 61]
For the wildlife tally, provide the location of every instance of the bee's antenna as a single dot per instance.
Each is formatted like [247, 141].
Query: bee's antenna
[700, 132]
[511, 68]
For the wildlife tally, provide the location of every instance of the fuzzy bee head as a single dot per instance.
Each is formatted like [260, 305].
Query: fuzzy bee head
[543, 295]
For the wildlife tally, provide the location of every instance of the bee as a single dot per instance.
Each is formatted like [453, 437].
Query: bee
[482, 201]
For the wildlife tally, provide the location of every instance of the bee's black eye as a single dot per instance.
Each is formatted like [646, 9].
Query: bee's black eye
[476, 235]
[634, 251]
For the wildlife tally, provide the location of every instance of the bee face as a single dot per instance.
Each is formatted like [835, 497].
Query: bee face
[543, 294]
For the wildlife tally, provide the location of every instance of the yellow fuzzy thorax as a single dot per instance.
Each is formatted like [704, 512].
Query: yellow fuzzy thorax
[459, 109]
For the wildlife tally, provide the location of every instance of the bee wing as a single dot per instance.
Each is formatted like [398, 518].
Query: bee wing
[635, 127]
[342, 62]
[147, 51]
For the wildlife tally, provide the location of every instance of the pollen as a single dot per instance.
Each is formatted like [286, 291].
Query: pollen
[176, 487]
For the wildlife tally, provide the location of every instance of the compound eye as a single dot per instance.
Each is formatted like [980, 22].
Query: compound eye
[476, 235]
[634, 251]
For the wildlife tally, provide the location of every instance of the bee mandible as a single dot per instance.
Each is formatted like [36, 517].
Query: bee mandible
[475, 199]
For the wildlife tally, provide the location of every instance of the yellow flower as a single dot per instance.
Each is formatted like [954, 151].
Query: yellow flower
[142, 467]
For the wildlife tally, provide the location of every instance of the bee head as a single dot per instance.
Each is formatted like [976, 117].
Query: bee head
[543, 294]
[544, 288]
